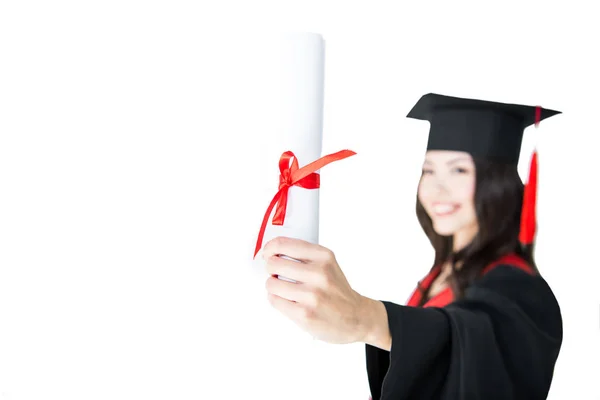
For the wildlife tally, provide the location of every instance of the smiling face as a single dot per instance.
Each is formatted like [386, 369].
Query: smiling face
[447, 192]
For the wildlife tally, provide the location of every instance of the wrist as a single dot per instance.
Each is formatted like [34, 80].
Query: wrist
[375, 327]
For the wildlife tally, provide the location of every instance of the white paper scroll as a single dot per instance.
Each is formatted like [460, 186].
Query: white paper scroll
[302, 71]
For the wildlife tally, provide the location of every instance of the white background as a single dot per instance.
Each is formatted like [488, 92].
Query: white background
[138, 153]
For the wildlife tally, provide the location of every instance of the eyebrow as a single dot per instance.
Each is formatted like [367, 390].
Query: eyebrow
[451, 161]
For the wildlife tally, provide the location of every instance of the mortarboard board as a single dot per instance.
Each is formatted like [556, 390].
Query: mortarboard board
[481, 128]
[485, 129]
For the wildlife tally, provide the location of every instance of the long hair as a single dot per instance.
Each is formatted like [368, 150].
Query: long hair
[498, 201]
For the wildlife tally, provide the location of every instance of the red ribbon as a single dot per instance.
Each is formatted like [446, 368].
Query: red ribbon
[304, 177]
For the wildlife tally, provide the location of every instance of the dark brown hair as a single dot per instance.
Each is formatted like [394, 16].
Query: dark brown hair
[498, 201]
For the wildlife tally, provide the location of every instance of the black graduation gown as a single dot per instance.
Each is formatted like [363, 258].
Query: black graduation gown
[500, 342]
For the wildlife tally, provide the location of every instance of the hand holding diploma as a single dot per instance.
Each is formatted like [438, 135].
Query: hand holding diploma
[321, 301]
[306, 283]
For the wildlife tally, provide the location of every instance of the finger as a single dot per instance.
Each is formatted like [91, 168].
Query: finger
[295, 248]
[310, 298]
[297, 312]
[297, 271]
[284, 289]
[290, 247]
[286, 307]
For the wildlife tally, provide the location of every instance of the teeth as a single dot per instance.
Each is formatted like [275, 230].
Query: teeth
[443, 209]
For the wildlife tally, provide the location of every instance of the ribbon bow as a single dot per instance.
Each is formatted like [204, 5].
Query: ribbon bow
[304, 177]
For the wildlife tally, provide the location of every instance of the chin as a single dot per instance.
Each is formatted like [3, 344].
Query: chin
[444, 232]
[445, 229]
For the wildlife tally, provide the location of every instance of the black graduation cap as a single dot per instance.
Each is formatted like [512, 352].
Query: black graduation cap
[481, 128]
[489, 130]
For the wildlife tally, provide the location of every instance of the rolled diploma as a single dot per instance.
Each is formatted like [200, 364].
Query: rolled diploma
[302, 72]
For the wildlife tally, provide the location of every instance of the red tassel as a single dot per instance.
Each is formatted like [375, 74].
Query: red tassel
[528, 212]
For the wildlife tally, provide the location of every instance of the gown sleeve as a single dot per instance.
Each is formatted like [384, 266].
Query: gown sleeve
[501, 341]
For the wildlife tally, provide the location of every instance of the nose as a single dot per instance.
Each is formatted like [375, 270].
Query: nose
[440, 186]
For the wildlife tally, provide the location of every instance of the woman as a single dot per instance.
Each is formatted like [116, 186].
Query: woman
[483, 324]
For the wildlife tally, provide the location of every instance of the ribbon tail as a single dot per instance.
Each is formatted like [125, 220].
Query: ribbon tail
[263, 227]
[279, 217]
[320, 163]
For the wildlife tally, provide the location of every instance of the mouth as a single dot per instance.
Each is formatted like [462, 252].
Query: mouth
[444, 209]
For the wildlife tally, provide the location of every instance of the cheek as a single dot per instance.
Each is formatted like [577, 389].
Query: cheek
[467, 196]
[464, 188]
[423, 192]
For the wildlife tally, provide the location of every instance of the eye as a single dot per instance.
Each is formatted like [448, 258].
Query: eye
[426, 171]
[460, 170]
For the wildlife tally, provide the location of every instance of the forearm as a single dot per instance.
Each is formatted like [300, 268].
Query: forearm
[375, 326]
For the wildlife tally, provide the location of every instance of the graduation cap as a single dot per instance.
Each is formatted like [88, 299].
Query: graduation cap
[485, 129]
